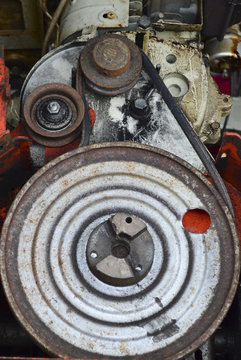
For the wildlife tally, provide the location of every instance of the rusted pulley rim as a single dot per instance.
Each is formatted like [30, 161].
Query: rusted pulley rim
[54, 92]
[111, 64]
[178, 303]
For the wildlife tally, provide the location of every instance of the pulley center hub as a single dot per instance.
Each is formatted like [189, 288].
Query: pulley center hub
[54, 114]
[123, 250]
[111, 56]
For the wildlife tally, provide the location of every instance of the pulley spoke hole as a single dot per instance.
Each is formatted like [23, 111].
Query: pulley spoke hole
[128, 220]
[196, 221]
[121, 251]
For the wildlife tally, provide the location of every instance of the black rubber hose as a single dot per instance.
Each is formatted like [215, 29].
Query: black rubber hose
[187, 129]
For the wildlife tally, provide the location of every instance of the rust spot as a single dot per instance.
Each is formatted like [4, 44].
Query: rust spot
[65, 182]
[234, 48]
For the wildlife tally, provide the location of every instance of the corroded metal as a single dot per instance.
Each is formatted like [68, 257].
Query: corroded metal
[111, 56]
[54, 130]
[169, 313]
[225, 55]
[111, 64]
[120, 251]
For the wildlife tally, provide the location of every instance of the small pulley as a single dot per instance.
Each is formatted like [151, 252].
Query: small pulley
[53, 114]
[111, 64]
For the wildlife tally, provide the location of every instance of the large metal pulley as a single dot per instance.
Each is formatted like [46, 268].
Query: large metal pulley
[102, 256]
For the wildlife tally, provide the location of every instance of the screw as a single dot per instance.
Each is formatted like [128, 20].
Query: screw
[53, 107]
[215, 126]
[144, 22]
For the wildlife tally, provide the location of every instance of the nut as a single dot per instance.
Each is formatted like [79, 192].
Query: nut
[53, 107]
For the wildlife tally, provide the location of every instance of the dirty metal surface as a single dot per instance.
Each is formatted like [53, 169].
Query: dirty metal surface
[189, 62]
[117, 70]
[120, 251]
[113, 119]
[42, 131]
[78, 15]
[111, 56]
[70, 312]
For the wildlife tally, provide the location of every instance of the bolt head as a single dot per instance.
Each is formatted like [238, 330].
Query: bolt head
[53, 107]
[139, 108]
[215, 126]
[140, 104]
[144, 22]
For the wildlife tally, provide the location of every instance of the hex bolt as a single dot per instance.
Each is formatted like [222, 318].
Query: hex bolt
[53, 107]
[139, 108]
[140, 104]
[144, 22]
